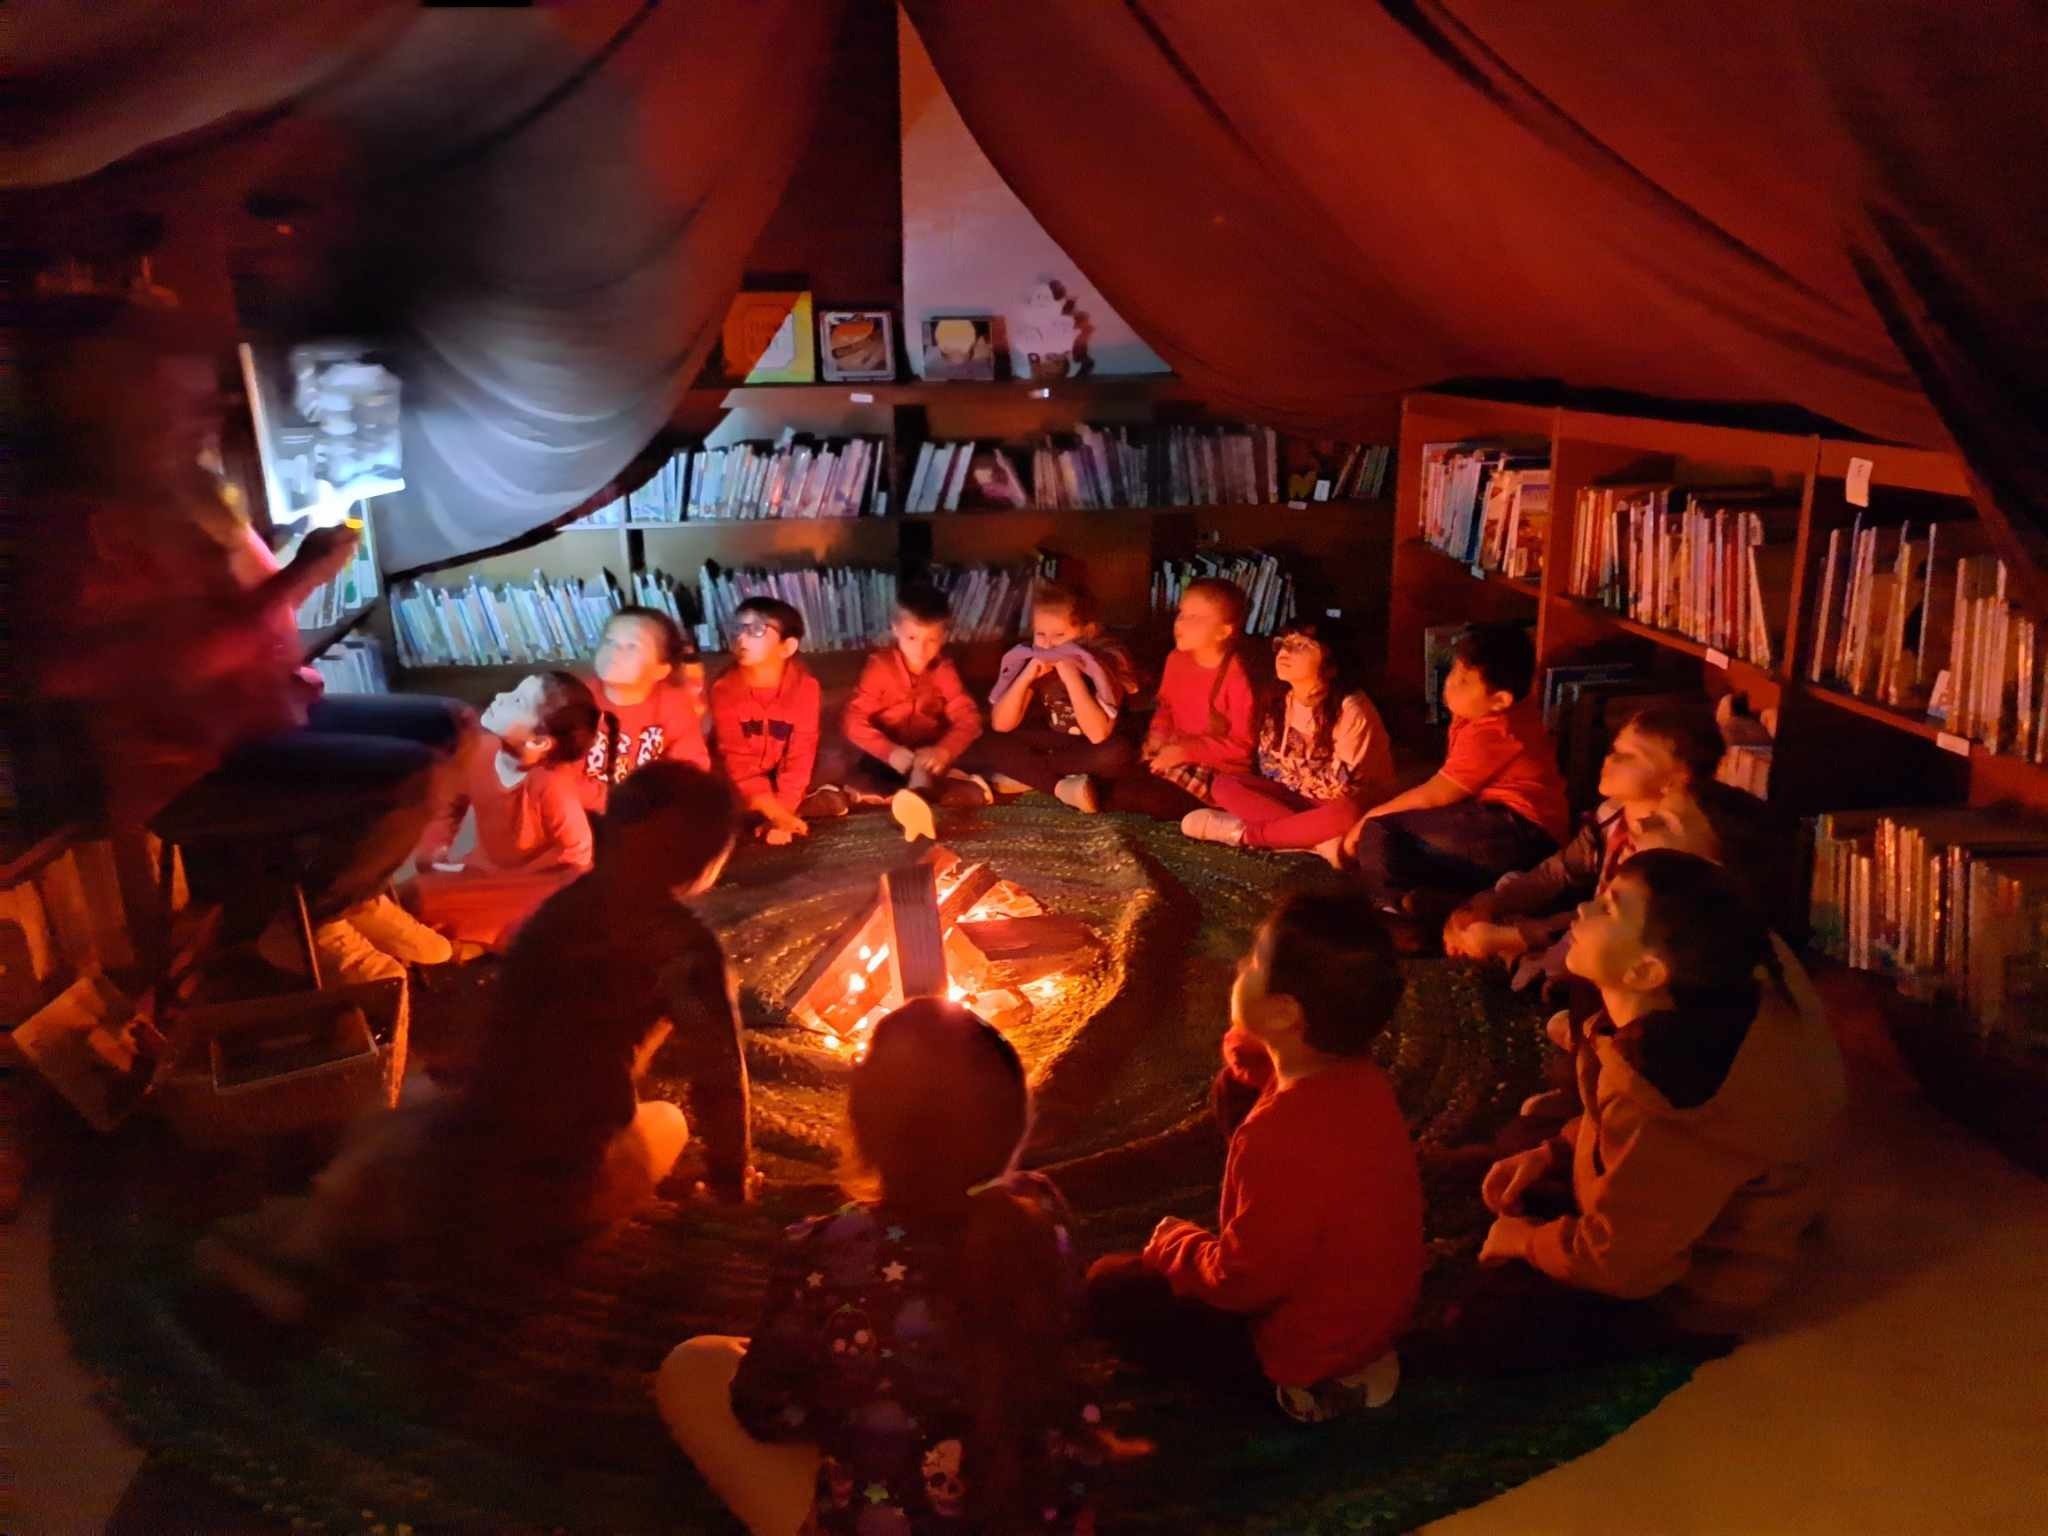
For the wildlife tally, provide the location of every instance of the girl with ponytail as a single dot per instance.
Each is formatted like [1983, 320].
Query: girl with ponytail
[908, 1371]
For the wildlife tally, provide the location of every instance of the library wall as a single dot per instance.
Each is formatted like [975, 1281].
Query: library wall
[969, 245]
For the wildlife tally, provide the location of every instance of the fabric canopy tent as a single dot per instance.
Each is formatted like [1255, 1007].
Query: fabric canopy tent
[1307, 206]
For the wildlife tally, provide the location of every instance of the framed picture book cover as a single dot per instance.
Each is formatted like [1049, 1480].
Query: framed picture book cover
[962, 346]
[857, 346]
[768, 339]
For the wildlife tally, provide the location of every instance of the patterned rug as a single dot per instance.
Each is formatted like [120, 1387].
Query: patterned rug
[518, 1403]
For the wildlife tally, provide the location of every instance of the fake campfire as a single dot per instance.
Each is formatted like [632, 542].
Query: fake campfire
[941, 927]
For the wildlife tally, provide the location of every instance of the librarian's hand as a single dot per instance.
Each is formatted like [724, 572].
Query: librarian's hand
[323, 552]
[1679, 824]
[1506, 1181]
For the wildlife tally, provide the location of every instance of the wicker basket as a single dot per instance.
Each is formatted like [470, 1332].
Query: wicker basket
[328, 1094]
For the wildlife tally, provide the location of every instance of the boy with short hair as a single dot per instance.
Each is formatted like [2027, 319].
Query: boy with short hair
[1317, 1261]
[910, 717]
[1497, 804]
[764, 719]
[647, 713]
[1712, 1095]
[1664, 750]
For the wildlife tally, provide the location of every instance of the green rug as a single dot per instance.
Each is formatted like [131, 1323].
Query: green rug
[518, 1402]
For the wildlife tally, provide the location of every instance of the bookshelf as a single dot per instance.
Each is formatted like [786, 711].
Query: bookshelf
[1835, 750]
[1331, 548]
[1901, 757]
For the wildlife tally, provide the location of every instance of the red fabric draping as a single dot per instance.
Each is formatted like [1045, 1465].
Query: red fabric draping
[1309, 205]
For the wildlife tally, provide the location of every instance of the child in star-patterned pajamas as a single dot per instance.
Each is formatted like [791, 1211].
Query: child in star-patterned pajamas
[908, 1374]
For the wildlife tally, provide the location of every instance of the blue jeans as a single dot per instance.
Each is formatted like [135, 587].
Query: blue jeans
[1445, 854]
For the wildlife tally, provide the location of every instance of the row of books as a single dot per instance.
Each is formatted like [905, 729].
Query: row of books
[353, 665]
[1487, 505]
[1950, 899]
[791, 477]
[1361, 477]
[1712, 565]
[1268, 588]
[852, 607]
[1925, 624]
[480, 625]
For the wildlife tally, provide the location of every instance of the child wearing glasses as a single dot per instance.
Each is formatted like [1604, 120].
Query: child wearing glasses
[1322, 753]
[764, 721]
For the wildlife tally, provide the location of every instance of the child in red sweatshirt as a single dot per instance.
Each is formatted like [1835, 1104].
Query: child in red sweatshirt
[648, 710]
[910, 717]
[764, 719]
[1203, 725]
[1317, 1260]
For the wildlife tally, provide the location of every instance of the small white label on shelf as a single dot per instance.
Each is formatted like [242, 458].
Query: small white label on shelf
[1856, 484]
[1041, 394]
[1718, 659]
[1322, 490]
[861, 397]
[1333, 613]
[1937, 698]
[1299, 506]
[1948, 741]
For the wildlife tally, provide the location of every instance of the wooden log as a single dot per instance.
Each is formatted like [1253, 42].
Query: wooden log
[1023, 949]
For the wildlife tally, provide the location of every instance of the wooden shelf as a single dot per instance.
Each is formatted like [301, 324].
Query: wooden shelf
[1884, 714]
[1125, 386]
[1530, 589]
[1745, 672]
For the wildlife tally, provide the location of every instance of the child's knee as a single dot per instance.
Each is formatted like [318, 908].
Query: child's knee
[697, 1375]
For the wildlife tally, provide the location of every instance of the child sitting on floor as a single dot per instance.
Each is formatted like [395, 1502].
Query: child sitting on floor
[1711, 1096]
[548, 1139]
[1054, 708]
[532, 835]
[764, 712]
[1496, 805]
[909, 1370]
[1663, 750]
[1317, 1260]
[1322, 753]
[647, 711]
[910, 718]
[1203, 725]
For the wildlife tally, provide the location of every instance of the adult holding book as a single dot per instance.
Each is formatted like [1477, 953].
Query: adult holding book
[167, 644]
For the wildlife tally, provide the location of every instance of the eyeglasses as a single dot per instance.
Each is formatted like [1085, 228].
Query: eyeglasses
[754, 629]
[1296, 643]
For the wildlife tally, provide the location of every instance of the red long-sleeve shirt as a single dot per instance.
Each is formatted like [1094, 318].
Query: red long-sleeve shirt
[767, 738]
[1209, 716]
[893, 707]
[1319, 1231]
[662, 726]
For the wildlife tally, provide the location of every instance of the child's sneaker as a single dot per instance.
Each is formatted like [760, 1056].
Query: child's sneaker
[1364, 1390]
[1003, 784]
[1331, 851]
[1209, 825]
[823, 803]
[1558, 1028]
[913, 813]
[1078, 791]
[1551, 1104]
[398, 933]
[345, 955]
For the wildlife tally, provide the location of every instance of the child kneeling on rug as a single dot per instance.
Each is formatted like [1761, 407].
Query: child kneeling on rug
[910, 717]
[548, 1140]
[909, 1370]
[764, 713]
[1496, 805]
[532, 834]
[1322, 755]
[1202, 727]
[1053, 712]
[1712, 1098]
[1316, 1263]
